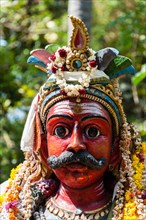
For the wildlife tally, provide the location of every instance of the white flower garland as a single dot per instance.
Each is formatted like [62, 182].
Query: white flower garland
[83, 81]
[71, 89]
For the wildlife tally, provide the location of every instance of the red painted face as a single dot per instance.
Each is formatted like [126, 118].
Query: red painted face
[78, 128]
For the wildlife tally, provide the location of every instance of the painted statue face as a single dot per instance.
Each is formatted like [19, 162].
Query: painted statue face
[75, 129]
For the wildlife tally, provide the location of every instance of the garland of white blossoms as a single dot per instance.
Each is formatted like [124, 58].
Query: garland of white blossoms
[56, 66]
[71, 89]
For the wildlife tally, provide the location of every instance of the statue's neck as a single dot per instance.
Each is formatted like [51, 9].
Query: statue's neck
[89, 198]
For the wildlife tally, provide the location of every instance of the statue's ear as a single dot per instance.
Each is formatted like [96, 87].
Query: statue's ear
[40, 140]
[116, 157]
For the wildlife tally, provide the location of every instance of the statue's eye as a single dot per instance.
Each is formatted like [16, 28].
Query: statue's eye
[61, 131]
[92, 132]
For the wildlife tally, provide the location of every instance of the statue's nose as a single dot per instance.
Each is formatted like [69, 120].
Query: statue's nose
[76, 142]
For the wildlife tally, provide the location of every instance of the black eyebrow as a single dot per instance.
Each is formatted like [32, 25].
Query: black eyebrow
[60, 115]
[94, 116]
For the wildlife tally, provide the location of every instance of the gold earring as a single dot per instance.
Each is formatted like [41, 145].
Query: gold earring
[111, 167]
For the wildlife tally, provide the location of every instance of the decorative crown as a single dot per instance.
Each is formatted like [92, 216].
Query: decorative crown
[74, 68]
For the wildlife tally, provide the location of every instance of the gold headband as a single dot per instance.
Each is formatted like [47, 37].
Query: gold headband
[96, 93]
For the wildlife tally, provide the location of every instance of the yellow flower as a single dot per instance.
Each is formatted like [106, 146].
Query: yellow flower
[135, 160]
[130, 209]
[127, 196]
[2, 197]
[138, 166]
[14, 172]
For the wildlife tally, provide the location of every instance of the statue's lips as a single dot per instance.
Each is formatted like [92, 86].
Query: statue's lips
[76, 167]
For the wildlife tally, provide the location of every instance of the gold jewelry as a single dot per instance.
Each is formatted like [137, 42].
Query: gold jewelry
[111, 167]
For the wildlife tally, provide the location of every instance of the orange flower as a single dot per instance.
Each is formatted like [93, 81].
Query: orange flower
[12, 197]
[15, 210]
[12, 216]
[18, 188]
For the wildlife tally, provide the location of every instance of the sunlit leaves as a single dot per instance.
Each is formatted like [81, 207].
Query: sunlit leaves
[139, 76]
[26, 25]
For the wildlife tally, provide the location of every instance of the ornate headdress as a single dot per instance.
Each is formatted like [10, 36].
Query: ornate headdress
[78, 71]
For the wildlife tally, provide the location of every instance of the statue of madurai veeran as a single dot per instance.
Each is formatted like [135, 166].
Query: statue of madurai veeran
[83, 160]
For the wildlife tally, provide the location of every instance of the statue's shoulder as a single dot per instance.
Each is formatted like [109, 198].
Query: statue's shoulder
[3, 187]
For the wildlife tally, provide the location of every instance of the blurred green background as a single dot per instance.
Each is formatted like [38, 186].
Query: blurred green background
[32, 24]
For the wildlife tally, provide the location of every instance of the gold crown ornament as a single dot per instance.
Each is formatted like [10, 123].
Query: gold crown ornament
[73, 68]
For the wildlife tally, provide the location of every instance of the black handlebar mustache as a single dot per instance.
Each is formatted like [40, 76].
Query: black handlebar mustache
[83, 157]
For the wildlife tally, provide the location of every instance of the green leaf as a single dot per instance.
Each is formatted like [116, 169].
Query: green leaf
[117, 64]
[52, 48]
[139, 76]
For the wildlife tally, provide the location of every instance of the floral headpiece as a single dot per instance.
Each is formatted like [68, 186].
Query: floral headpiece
[74, 68]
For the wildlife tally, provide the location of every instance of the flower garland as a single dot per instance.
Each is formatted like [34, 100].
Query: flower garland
[130, 205]
[130, 209]
[63, 60]
[9, 199]
[130, 194]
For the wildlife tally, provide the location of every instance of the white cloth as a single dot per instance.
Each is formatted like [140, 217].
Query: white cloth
[3, 187]
[75, 76]
[27, 139]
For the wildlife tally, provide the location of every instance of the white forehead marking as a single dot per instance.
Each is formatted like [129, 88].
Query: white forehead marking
[85, 107]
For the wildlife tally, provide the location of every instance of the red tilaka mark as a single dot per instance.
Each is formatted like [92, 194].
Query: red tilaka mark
[79, 39]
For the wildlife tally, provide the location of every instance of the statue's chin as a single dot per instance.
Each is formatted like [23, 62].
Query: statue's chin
[78, 176]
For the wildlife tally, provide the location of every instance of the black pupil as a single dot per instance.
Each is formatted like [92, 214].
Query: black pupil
[60, 131]
[92, 132]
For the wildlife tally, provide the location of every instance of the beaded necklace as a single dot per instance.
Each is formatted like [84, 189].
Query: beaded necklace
[97, 214]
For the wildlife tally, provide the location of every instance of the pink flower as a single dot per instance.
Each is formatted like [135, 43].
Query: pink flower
[11, 205]
[82, 91]
[62, 52]
[141, 157]
[63, 92]
[54, 69]
[47, 187]
[52, 57]
[93, 63]
[144, 195]
[62, 68]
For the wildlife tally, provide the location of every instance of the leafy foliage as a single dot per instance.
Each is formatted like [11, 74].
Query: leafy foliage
[23, 31]
[139, 76]
[121, 24]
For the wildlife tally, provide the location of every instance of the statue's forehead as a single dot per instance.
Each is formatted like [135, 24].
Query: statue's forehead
[84, 107]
